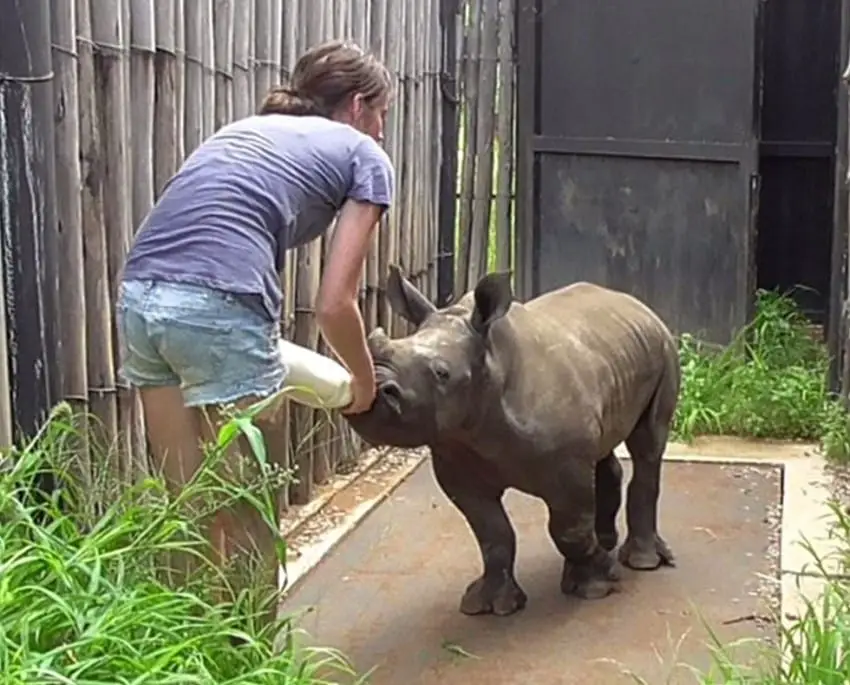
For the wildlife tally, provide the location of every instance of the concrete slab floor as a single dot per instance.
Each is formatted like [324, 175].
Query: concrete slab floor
[388, 595]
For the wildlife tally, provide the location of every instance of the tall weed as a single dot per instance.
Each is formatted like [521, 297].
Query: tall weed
[83, 593]
[771, 382]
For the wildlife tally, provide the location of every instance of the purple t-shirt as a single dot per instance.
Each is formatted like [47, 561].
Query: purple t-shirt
[256, 188]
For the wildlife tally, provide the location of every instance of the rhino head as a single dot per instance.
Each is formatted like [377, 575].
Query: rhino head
[438, 381]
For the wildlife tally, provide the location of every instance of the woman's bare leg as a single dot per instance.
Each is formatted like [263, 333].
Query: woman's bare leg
[174, 439]
[177, 435]
[239, 533]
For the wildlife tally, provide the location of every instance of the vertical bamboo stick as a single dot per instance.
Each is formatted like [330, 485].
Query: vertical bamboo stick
[468, 137]
[277, 432]
[72, 293]
[208, 100]
[307, 277]
[6, 434]
[289, 55]
[426, 169]
[406, 156]
[505, 136]
[263, 76]
[141, 112]
[435, 98]
[325, 442]
[242, 99]
[337, 21]
[253, 96]
[133, 441]
[98, 320]
[482, 198]
[180, 89]
[194, 95]
[377, 31]
[414, 43]
[142, 73]
[224, 34]
[421, 178]
[388, 246]
[276, 29]
[361, 11]
[166, 132]
[108, 31]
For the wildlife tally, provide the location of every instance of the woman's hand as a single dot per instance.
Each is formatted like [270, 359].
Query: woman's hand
[363, 391]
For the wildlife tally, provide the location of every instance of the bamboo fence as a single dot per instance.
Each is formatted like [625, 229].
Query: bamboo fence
[485, 192]
[138, 85]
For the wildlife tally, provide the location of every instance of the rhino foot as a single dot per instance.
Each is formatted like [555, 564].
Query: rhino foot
[646, 555]
[596, 579]
[499, 596]
[608, 541]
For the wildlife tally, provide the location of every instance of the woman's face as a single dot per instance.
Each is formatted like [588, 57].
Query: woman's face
[369, 117]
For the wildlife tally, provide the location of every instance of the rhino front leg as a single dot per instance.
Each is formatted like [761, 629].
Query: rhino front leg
[609, 499]
[480, 502]
[590, 571]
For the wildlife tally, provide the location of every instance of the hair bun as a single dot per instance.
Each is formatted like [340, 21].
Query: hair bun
[288, 100]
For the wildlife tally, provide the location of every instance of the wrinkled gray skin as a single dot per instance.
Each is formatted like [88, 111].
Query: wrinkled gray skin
[534, 396]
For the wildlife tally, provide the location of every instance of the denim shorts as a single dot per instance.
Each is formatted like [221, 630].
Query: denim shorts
[210, 343]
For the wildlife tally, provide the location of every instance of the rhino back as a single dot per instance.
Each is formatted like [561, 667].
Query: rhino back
[581, 364]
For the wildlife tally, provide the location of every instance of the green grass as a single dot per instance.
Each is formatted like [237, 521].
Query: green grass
[817, 643]
[771, 382]
[83, 597]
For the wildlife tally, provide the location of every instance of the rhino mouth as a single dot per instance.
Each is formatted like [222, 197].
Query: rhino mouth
[393, 419]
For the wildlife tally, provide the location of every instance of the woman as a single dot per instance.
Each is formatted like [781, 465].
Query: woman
[200, 302]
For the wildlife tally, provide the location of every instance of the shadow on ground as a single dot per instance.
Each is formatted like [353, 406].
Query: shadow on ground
[388, 595]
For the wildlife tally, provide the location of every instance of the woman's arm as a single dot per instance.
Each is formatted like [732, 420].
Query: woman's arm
[337, 311]
[368, 196]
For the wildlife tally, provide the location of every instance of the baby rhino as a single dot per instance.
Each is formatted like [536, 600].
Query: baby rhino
[534, 396]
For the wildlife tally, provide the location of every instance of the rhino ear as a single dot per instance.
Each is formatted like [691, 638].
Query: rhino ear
[493, 297]
[405, 300]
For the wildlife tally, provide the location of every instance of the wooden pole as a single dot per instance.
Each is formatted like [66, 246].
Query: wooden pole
[505, 137]
[468, 143]
[482, 198]
[224, 30]
[194, 96]
[72, 293]
[98, 320]
[165, 132]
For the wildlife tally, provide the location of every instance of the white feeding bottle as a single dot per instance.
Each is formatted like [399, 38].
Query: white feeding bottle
[314, 379]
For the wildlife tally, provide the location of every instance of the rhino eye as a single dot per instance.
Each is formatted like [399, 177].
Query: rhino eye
[441, 371]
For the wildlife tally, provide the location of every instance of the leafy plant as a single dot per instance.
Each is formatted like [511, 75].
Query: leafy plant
[771, 382]
[83, 597]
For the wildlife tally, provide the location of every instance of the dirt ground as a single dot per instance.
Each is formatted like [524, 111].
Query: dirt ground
[388, 595]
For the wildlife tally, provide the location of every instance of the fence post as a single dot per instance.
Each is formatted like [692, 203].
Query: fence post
[28, 213]
[449, 10]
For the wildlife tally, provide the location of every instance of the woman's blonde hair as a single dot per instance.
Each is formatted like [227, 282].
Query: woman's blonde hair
[326, 77]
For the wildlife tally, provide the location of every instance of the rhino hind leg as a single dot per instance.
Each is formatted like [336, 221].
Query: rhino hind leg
[590, 571]
[609, 499]
[479, 500]
[644, 549]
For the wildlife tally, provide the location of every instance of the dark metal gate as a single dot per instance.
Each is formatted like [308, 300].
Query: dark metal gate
[638, 153]
[799, 126]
